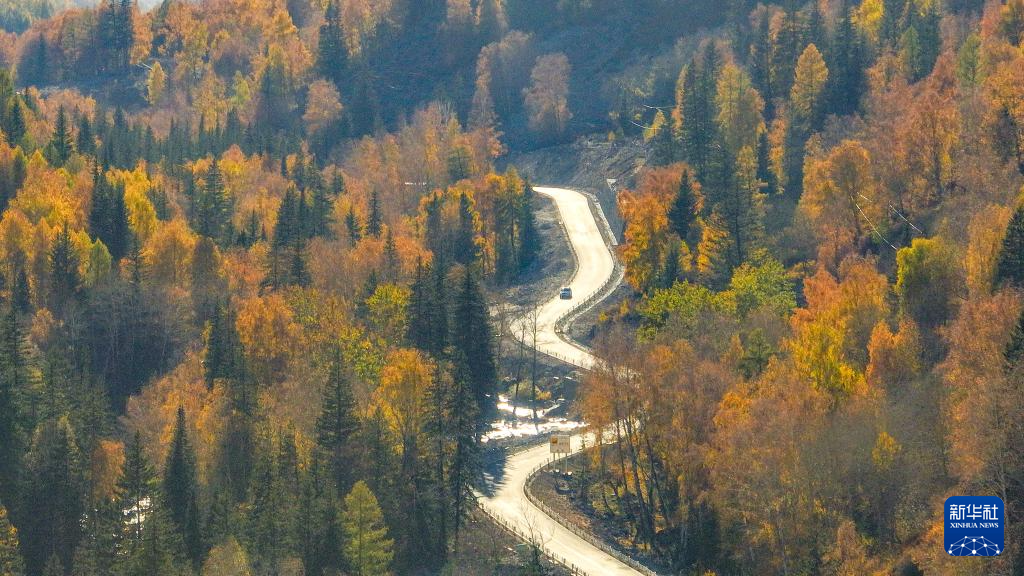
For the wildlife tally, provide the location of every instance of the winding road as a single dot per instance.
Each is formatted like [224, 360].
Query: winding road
[508, 501]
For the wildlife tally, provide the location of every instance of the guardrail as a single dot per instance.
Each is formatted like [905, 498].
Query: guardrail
[515, 531]
[618, 273]
[565, 523]
[561, 323]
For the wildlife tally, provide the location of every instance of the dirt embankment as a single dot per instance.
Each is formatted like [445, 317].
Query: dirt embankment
[587, 164]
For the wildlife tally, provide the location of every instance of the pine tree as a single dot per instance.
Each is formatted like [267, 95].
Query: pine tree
[1010, 263]
[473, 338]
[374, 221]
[684, 207]
[368, 548]
[179, 491]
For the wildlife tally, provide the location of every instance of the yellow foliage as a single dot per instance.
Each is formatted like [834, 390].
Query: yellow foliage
[402, 395]
[168, 253]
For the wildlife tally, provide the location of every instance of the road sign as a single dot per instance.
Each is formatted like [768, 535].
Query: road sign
[560, 444]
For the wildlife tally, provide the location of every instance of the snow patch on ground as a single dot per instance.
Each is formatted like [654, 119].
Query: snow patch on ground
[518, 422]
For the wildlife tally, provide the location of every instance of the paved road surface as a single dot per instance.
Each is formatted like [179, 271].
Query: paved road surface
[594, 266]
[509, 502]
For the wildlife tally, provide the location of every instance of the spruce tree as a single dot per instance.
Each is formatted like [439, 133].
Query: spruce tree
[14, 125]
[85, 141]
[529, 237]
[332, 51]
[212, 206]
[64, 279]
[135, 490]
[465, 250]
[473, 338]
[223, 359]
[418, 309]
[1010, 263]
[54, 497]
[337, 422]
[683, 208]
[180, 493]
[13, 387]
[61, 144]
[354, 227]
[374, 221]
[465, 421]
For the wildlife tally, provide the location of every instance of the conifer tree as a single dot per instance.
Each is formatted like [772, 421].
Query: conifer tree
[61, 145]
[337, 422]
[54, 497]
[266, 527]
[85, 140]
[212, 207]
[64, 279]
[473, 338]
[14, 125]
[1010, 263]
[368, 548]
[529, 237]
[462, 409]
[223, 359]
[465, 250]
[13, 386]
[374, 220]
[684, 207]
[136, 491]
[179, 491]
[354, 227]
[418, 309]
[332, 50]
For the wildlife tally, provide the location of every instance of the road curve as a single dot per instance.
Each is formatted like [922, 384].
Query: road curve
[508, 502]
[594, 266]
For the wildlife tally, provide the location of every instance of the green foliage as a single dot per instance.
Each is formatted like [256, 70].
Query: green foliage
[180, 493]
[367, 546]
[761, 286]
[926, 281]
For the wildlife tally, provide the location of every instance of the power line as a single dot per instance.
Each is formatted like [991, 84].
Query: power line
[873, 228]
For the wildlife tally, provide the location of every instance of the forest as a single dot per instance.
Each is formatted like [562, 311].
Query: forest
[250, 253]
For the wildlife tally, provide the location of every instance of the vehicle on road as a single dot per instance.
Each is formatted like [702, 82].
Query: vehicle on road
[565, 293]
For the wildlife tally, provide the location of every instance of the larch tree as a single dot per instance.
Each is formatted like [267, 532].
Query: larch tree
[368, 548]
